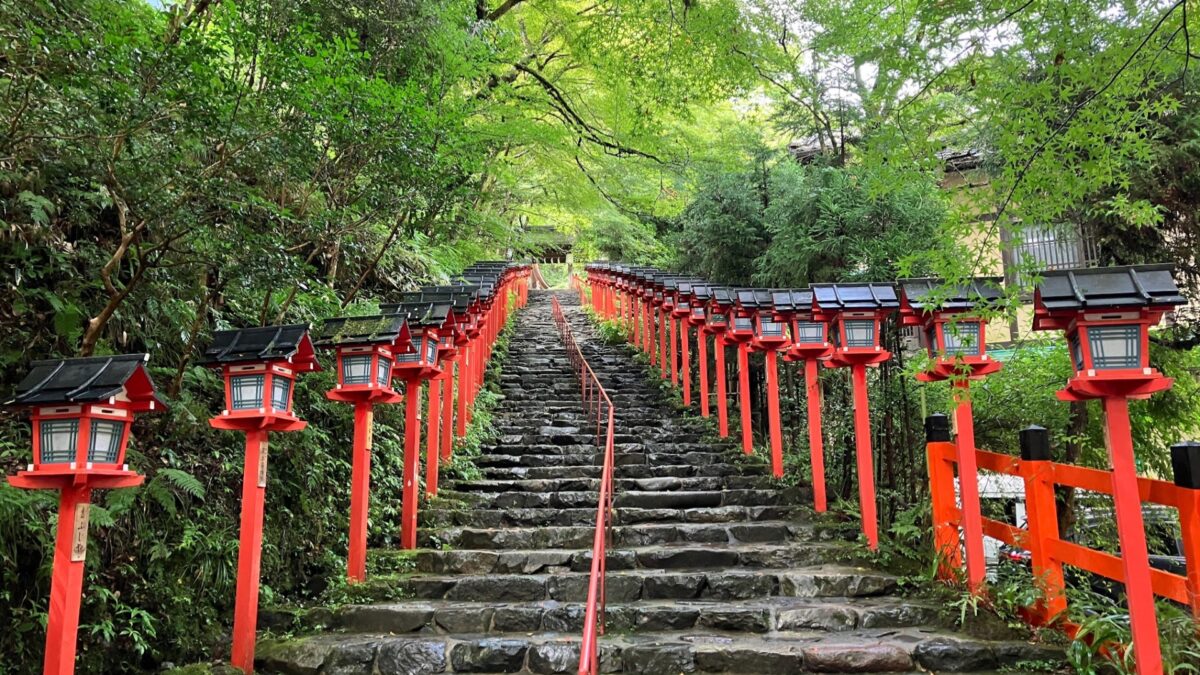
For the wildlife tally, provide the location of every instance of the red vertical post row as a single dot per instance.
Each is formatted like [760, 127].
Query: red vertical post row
[816, 445]
[432, 437]
[412, 440]
[673, 331]
[744, 396]
[360, 487]
[722, 387]
[865, 463]
[245, 605]
[773, 422]
[1131, 530]
[448, 410]
[686, 366]
[968, 485]
[662, 344]
[464, 385]
[70, 550]
[702, 347]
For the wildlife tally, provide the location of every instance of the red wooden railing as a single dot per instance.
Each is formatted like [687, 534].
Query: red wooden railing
[597, 403]
[1049, 552]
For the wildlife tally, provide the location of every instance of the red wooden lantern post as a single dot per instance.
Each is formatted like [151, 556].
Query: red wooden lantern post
[770, 335]
[957, 347]
[741, 332]
[670, 286]
[366, 347]
[260, 366]
[468, 354]
[1106, 314]
[717, 322]
[661, 313]
[425, 321]
[698, 303]
[810, 345]
[81, 411]
[856, 311]
[646, 283]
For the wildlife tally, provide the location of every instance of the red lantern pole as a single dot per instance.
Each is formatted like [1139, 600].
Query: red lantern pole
[968, 485]
[1135, 558]
[432, 451]
[66, 586]
[360, 486]
[464, 385]
[687, 364]
[773, 413]
[702, 345]
[744, 396]
[448, 409]
[816, 448]
[866, 466]
[673, 337]
[662, 343]
[722, 393]
[649, 334]
[245, 606]
[412, 440]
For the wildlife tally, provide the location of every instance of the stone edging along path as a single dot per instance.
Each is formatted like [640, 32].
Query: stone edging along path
[713, 567]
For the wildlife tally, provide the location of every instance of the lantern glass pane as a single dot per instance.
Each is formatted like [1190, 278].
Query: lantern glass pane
[810, 332]
[769, 328]
[431, 351]
[1115, 347]
[58, 441]
[931, 341]
[247, 391]
[412, 357]
[1076, 351]
[860, 333]
[383, 372]
[281, 387]
[742, 323]
[356, 369]
[105, 441]
[962, 339]
[717, 319]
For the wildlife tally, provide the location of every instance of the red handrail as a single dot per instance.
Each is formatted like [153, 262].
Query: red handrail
[597, 402]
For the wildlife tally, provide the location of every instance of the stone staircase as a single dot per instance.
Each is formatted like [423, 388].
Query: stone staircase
[712, 567]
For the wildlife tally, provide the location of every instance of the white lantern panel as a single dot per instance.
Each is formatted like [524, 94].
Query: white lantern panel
[1115, 347]
[962, 339]
[247, 391]
[742, 323]
[356, 369]
[105, 441]
[281, 388]
[58, 441]
[860, 333]
[383, 372]
[412, 357]
[810, 332]
[431, 351]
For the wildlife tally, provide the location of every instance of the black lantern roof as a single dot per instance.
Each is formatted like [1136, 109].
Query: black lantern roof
[459, 302]
[86, 380]
[755, 298]
[701, 291]
[856, 296]
[1109, 288]
[267, 343]
[980, 291]
[722, 295]
[432, 314]
[361, 330]
[793, 300]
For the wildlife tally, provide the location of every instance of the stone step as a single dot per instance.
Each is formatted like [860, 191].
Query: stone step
[444, 516]
[639, 499]
[767, 616]
[539, 561]
[620, 536]
[573, 484]
[653, 653]
[668, 471]
[826, 581]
